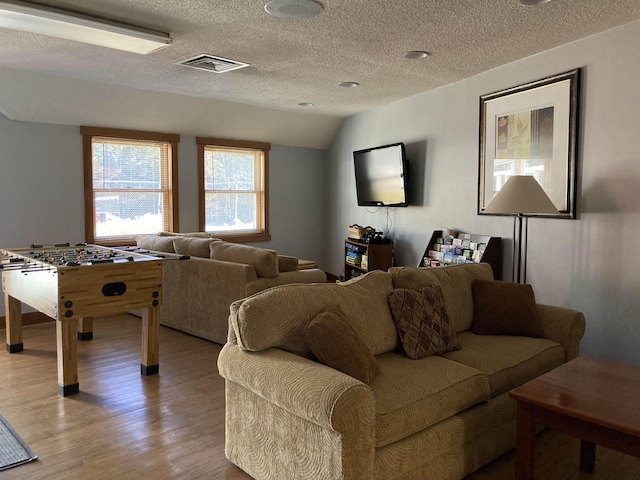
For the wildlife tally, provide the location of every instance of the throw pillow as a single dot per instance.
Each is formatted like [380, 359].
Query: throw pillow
[336, 344]
[287, 263]
[504, 308]
[422, 322]
[264, 260]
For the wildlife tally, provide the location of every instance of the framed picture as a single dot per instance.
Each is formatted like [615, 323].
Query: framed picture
[531, 130]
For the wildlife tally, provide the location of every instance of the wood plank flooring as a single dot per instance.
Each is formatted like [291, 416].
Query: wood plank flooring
[168, 426]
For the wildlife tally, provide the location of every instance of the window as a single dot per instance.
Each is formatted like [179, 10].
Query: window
[130, 184]
[233, 178]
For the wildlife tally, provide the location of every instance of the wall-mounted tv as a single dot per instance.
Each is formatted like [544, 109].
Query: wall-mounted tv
[382, 176]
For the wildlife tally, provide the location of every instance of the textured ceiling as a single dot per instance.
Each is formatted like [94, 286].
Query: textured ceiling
[304, 60]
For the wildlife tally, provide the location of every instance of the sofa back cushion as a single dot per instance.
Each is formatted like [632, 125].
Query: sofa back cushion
[277, 317]
[189, 234]
[263, 260]
[192, 246]
[455, 283]
[155, 242]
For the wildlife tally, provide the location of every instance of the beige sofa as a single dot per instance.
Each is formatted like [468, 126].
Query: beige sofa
[440, 417]
[198, 289]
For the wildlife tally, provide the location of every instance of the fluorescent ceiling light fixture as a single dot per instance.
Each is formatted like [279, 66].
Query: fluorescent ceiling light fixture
[533, 2]
[57, 23]
[349, 84]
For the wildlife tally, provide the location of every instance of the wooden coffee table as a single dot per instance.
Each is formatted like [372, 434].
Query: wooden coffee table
[593, 399]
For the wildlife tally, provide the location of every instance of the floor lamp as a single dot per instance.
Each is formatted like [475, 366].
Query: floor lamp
[520, 196]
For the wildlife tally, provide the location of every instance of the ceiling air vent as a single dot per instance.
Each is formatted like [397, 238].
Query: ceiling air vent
[213, 64]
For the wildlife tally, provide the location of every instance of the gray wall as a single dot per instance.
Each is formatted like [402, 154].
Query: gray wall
[590, 264]
[42, 199]
[297, 202]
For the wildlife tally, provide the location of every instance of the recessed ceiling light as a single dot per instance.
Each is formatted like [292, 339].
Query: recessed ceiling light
[349, 84]
[533, 2]
[293, 8]
[416, 54]
[305, 104]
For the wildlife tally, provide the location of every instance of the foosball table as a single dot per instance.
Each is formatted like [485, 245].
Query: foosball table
[72, 284]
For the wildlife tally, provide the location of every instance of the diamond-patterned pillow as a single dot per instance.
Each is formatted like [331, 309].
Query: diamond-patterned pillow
[422, 322]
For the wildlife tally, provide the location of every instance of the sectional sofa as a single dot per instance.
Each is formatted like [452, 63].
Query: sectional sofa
[202, 276]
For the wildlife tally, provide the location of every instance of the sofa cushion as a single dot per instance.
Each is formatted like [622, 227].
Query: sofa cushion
[265, 261]
[455, 282]
[336, 344]
[192, 246]
[504, 308]
[507, 361]
[287, 264]
[155, 242]
[278, 316]
[422, 321]
[412, 395]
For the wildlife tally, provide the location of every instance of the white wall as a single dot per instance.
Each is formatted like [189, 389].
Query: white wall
[42, 196]
[590, 264]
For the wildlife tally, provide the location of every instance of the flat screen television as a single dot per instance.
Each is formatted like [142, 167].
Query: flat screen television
[382, 176]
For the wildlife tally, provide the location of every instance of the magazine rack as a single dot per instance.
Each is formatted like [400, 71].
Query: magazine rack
[491, 254]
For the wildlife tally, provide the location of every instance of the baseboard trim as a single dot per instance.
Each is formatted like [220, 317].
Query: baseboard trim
[31, 318]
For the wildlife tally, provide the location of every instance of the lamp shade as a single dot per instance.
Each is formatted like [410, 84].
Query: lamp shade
[521, 194]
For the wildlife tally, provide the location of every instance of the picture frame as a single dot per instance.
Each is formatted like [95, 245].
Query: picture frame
[531, 129]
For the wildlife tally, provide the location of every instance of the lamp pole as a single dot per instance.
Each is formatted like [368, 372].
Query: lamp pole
[517, 248]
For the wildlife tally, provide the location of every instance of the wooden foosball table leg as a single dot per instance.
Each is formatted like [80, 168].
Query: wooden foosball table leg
[85, 328]
[150, 341]
[13, 318]
[67, 347]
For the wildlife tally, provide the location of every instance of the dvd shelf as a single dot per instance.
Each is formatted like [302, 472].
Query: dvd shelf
[362, 257]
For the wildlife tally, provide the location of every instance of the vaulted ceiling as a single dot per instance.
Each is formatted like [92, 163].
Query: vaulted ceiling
[45, 79]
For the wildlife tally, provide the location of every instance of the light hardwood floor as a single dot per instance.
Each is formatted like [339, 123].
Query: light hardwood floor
[168, 426]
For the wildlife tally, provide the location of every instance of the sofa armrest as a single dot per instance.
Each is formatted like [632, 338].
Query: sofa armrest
[303, 390]
[313, 275]
[563, 325]
[301, 386]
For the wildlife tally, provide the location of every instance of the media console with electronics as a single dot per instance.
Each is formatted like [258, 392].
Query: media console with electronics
[376, 237]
